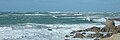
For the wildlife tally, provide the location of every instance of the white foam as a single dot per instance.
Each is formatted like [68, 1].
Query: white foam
[44, 34]
[78, 14]
[5, 28]
[34, 14]
[117, 23]
[100, 20]
[54, 16]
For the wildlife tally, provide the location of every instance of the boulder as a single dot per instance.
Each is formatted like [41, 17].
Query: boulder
[117, 19]
[118, 27]
[109, 23]
[79, 30]
[118, 31]
[71, 35]
[83, 33]
[76, 31]
[113, 31]
[97, 35]
[67, 36]
[96, 39]
[78, 35]
[95, 29]
[105, 29]
[67, 39]
[108, 35]
[50, 29]
[73, 32]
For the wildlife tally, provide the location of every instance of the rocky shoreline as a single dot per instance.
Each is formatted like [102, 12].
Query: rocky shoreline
[96, 32]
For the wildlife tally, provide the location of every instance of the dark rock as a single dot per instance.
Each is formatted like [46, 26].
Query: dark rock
[88, 29]
[73, 32]
[67, 36]
[118, 31]
[71, 35]
[83, 33]
[79, 30]
[78, 35]
[117, 19]
[50, 29]
[96, 39]
[67, 39]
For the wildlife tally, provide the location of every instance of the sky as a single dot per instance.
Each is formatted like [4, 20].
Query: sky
[61, 5]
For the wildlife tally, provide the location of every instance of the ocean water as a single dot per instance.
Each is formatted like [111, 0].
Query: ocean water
[35, 25]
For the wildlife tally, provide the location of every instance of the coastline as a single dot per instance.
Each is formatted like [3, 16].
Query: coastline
[109, 32]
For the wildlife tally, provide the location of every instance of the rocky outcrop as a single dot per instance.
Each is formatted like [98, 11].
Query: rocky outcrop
[109, 28]
[97, 35]
[108, 35]
[109, 23]
[78, 35]
[116, 19]
[94, 29]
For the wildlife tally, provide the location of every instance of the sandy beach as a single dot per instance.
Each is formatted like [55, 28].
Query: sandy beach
[113, 37]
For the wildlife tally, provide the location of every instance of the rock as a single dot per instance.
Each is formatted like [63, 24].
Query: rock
[67, 36]
[83, 33]
[95, 29]
[117, 19]
[71, 35]
[50, 29]
[118, 31]
[90, 36]
[78, 35]
[105, 29]
[66, 39]
[96, 39]
[97, 35]
[108, 35]
[113, 31]
[109, 23]
[73, 32]
[118, 27]
[79, 30]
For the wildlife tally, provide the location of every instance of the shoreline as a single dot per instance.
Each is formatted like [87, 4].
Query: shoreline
[106, 33]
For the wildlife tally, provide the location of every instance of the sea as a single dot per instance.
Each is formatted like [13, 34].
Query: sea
[35, 25]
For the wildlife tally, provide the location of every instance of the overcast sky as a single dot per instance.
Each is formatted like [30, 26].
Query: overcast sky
[61, 5]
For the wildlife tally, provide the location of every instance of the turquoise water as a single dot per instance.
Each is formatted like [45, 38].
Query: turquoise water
[42, 18]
